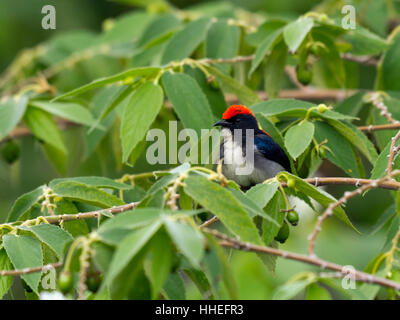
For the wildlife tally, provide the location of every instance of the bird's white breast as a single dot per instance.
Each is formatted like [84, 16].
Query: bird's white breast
[234, 161]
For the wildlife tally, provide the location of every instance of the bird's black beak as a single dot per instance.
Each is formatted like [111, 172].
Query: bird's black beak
[222, 123]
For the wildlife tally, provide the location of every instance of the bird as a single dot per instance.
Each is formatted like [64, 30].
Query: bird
[266, 158]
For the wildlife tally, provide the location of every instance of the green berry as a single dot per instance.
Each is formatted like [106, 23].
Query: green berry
[304, 75]
[283, 233]
[213, 83]
[93, 282]
[293, 218]
[291, 183]
[65, 282]
[322, 108]
[10, 152]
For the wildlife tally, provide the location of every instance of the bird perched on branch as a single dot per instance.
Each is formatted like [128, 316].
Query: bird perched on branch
[250, 155]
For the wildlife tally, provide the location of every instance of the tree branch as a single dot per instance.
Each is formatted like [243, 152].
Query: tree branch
[347, 196]
[86, 215]
[392, 153]
[321, 181]
[4, 273]
[359, 275]
[389, 126]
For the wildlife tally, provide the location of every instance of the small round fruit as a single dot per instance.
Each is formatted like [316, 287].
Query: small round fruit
[293, 218]
[283, 233]
[26, 286]
[291, 183]
[304, 76]
[10, 152]
[215, 84]
[65, 281]
[93, 282]
[322, 108]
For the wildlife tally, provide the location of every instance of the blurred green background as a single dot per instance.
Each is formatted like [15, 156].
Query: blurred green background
[20, 27]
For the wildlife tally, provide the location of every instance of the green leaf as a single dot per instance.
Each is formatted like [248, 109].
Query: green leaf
[273, 209]
[127, 27]
[160, 26]
[262, 49]
[264, 30]
[67, 110]
[244, 94]
[24, 203]
[55, 237]
[174, 287]
[224, 205]
[262, 193]
[351, 136]
[274, 70]
[249, 205]
[161, 262]
[322, 197]
[340, 150]
[12, 110]
[379, 170]
[104, 103]
[131, 219]
[128, 248]
[80, 192]
[295, 32]
[215, 97]
[294, 109]
[44, 128]
[365, 42]
[315, 292]
[141, 110]
[270, 127]
[298, 138]
[222, 41]
[189, 101]
[371, 290]
[184, 42]
[5, 281]
[389, 69]
[217, 264]
[109, 99]
[130, 74]
[25, 252]
[187, 239]
[99, 182]
[291, 290]
[351, 105]
[330, 55]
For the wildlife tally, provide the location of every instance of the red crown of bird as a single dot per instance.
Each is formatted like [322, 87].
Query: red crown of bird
[234, 110]
[239, 109]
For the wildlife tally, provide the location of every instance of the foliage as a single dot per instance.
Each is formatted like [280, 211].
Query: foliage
[142, 236]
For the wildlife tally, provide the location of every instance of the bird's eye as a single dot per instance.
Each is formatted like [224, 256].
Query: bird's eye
[237, 120]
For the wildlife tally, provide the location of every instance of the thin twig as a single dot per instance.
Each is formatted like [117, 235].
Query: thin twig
[30, 270]
[209, 222]
[321, 181]
[377, 127]
[377, 101]
[358, 275]
[370, 61]
[87, 215]
[392, 153]
[347, 195]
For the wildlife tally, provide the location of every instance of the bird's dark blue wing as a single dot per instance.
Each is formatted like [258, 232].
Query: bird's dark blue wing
[271, 150]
